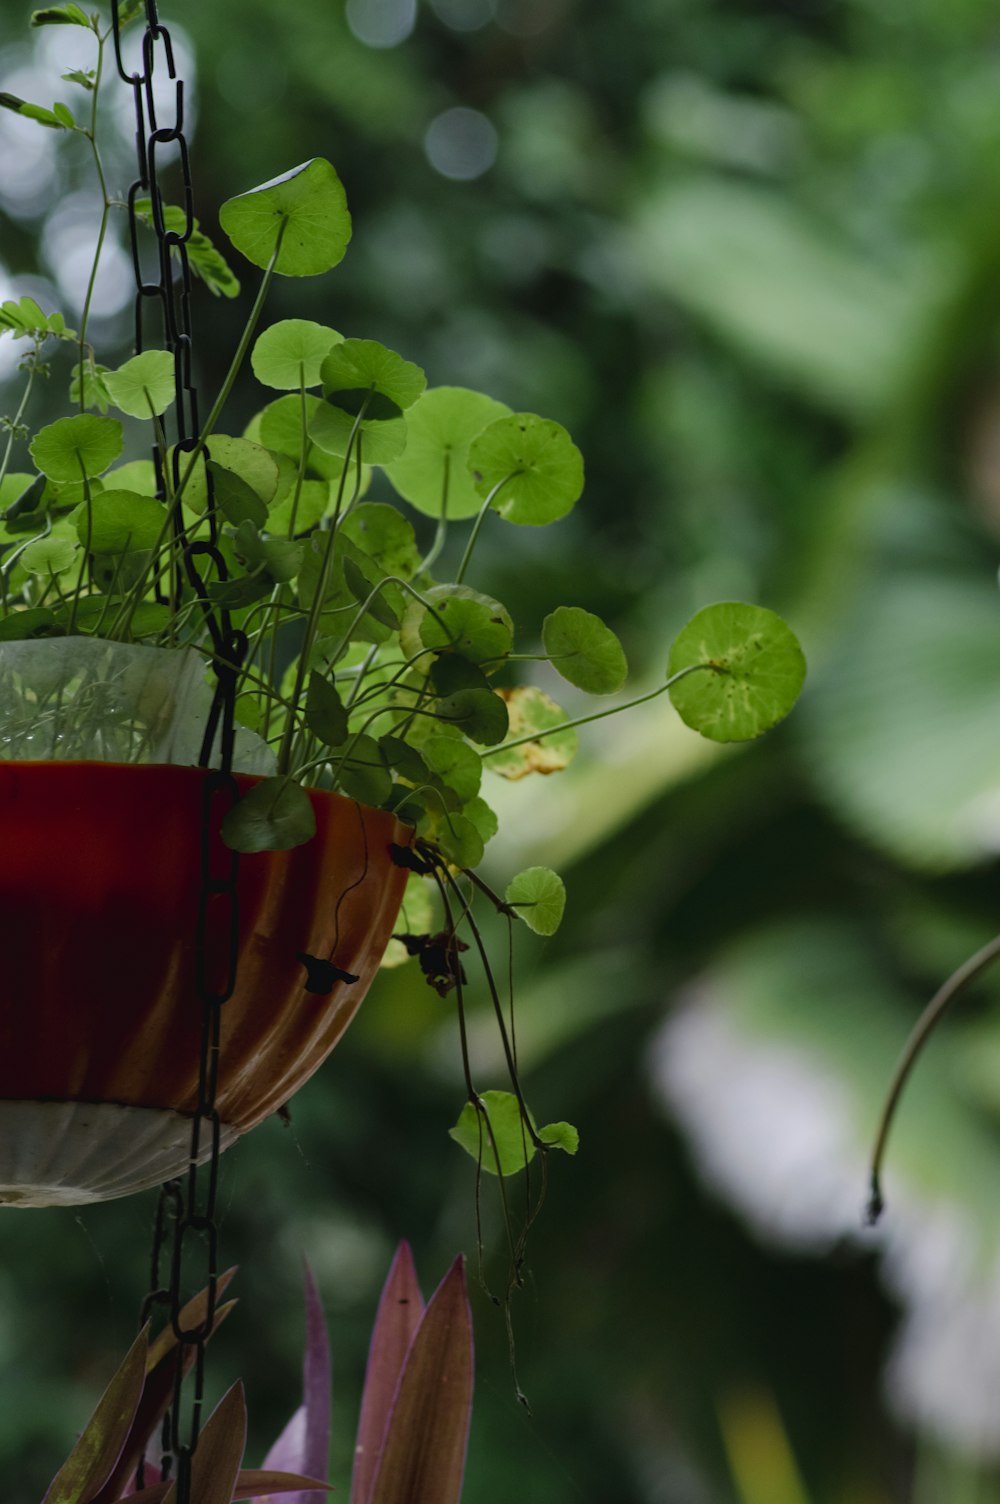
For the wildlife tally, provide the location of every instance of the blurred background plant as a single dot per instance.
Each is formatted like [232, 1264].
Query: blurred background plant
[749, 256]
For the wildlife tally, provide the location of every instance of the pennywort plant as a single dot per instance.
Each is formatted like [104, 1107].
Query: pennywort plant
[367, 672]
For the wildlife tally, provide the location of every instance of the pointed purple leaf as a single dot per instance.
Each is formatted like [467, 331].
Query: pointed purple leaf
[215, 1464]
[92, 1460]
[399, 1313]
[161, 1378]
[316, 1391]
[304, 1444]
[250, 1483]
[423, 1453]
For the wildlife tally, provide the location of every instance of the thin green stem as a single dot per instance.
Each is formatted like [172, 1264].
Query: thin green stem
[922, 1029]
[235, 365]
[599, 715]
[91, 135]
[316, 610]
[15, 422]
[477, 525]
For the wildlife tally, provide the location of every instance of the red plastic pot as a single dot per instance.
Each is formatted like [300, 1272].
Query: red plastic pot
[100, 1020]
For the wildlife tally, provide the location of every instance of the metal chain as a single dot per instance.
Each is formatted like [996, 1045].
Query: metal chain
[186, 1210]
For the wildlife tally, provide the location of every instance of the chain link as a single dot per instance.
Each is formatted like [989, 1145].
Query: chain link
[186, 1210]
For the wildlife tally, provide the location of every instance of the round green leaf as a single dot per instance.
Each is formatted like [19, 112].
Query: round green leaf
[274, 815]
[561, 1136]
[281, 423]
[534, 720]
[459, 840]
[51, 555]
[73, 447]
[144, 385]
[134, 475]
[251, 462]
[754, 670]
[330, 429]
[385, 535]
[121, 522]
[584, 651]
[289, 354]
[483, 818]
[308, 204]
[468, 628]
[534, 462]
[325, 713]
[365, 366]
[433, 474]
[539, 896]
[456, 765]
[365, 775]
[507, 1130]
[467, 701]
[314, 502]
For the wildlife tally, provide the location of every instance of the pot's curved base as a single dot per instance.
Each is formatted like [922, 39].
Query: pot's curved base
[71, 1153]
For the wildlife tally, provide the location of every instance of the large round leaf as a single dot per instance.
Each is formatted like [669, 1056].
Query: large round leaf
[144, 385]
[539, 896]
[289, 354]
[753, 671]
[363, 367]
[121, 522]
[433, 474]
[306, 207]
[73, 447]
[534, 462]
[330, 429]
[584, 650]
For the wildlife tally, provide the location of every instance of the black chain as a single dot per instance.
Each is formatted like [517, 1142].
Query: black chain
[186, 1208]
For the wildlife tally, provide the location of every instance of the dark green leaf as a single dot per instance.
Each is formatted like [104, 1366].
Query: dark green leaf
[120, 522]
[61, 15]
[22, 624]
[361, 589]
[237, 501]
[468, 627]
[325, 713]
[405, 760]
[365, 775]
[31, 111]
[274, 815]
[584, 651]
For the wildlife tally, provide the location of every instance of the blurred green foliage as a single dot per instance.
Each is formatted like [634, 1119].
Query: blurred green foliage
[749, 255]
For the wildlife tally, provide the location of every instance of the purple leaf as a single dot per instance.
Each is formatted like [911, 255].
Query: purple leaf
[250, 1483]
[158, 1390]
[217, 1457]
[400, 1310]
[423, 1453]
[304, 1444]
[92, 1460]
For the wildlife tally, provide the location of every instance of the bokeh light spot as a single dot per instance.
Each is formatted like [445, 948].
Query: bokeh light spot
[461, 144]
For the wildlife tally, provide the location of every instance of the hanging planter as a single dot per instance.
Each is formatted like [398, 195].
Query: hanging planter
[102, 873]
[100, 1023]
